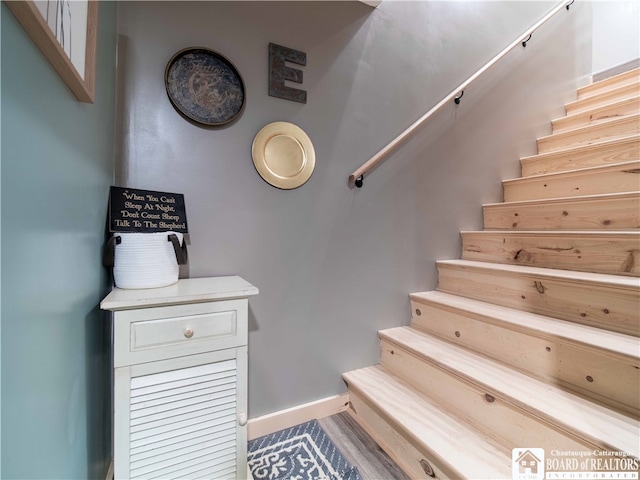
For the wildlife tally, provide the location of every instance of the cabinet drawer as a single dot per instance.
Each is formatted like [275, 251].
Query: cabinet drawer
[191, 329]
[151, 334]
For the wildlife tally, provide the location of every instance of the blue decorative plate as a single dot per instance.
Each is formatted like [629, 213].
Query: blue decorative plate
[204, 86]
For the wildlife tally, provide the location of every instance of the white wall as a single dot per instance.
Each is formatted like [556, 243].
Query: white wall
[335, 265]
[616, 33]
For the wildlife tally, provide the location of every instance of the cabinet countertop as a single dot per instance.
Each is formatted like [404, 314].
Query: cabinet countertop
[189, 290]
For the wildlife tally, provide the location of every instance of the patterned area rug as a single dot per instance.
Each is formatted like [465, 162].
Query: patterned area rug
[303, 452]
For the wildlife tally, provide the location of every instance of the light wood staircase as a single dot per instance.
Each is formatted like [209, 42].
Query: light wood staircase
[531, 339]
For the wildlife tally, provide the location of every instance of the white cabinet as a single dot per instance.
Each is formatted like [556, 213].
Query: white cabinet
[180, 379]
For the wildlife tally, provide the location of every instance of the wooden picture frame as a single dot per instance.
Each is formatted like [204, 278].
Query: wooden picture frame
[79, 73]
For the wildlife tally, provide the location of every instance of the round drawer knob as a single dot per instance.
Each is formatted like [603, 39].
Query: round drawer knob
[242, 419]
[188, 333]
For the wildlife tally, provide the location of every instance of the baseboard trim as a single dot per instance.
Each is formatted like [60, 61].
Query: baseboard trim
[273, 422]
[615, 70]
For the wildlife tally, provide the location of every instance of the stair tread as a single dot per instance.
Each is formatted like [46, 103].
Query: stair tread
[581, 148]
[591, 127]
[595, 423]
[605, 279]
[597, 109]
[467, 451]
[618, 344]
[595, 170]
[546, 201]
[602, 95]
[558, 233]
[628, 75]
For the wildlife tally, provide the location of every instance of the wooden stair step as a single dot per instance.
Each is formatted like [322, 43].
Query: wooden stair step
[598, 212]
[593, 116]
[588, 251]
[602, 153]
[600, 364]
[610, 302]
[413, 429]
[624, 78]
[613, 178]
[507, 404]
[619, 127]
[612, 95]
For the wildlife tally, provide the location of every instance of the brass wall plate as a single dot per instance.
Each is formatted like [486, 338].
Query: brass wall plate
[283, 155]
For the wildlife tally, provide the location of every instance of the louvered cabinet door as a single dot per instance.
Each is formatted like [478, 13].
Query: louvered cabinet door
[182, 419]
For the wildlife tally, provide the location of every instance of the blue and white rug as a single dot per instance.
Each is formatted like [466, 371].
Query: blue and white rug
[303, 452]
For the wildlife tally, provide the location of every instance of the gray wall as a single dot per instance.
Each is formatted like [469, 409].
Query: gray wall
[57, 165]
[334, 265]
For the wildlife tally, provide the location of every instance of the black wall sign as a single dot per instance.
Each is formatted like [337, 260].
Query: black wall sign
[132, 210]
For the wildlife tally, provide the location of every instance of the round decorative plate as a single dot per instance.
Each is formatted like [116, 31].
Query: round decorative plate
[204, 86]
[283, 155]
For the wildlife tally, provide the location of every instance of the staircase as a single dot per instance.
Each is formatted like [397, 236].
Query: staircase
[531, 339]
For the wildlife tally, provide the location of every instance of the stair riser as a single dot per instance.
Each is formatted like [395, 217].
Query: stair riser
[614, 179]
[588, 304]
[401, 450]
[591, 134]
[612, 254]
[588, 214]
[499, 419]
[623, 93]
[592, 117]
[591, 156]
[625, 78]
[614, 381]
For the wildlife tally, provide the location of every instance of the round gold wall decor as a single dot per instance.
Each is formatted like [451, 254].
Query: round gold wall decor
[283, 155]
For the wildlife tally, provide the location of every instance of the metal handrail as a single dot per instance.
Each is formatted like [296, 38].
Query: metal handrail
[357, 177]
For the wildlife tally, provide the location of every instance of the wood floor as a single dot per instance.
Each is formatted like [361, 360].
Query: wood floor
[360, 449]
